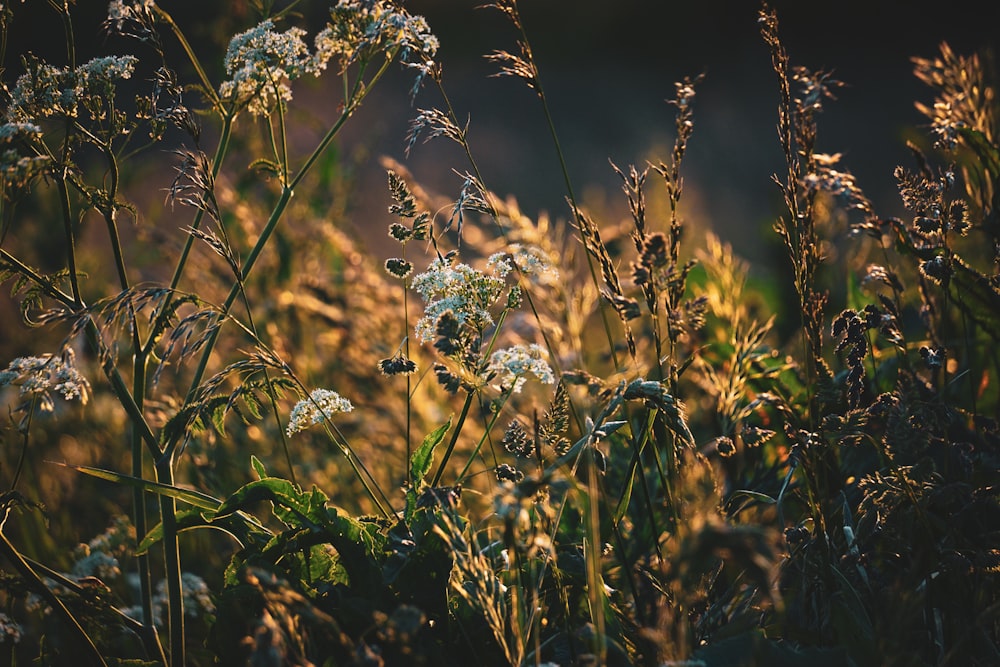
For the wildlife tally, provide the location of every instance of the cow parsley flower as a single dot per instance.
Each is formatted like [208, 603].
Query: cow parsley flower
[512, 366]
[38, 377]
[261, 62]
[322, 404]
[360, 29]
[44, 91]
[530, 260]
[464, 291]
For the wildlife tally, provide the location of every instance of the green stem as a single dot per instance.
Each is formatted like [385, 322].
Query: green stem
[486, 434]
[172, 564]
[174, 28]
[90, 653]
[454, 438]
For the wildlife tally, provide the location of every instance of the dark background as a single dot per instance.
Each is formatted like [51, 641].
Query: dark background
[608, 68]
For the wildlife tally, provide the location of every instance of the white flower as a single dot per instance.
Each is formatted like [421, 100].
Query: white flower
[510, 367]
[322, 404]
[37, 376]
[261, 62]
[530, 260]
[360, 29]
[458, 288]
[44, 91]
[11, 131]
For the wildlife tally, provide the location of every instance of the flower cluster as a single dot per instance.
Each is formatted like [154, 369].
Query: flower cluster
[511, 366]
[530, 261]
[321, 405]
[261, 62]
[99, 557]
[44, 90]
[464, 292]
[37, 377]
[360, 29]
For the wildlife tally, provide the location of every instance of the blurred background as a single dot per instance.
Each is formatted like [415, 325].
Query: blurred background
[608, 68]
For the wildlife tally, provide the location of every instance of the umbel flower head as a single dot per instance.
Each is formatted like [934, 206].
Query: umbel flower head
[261, 62]
[511, 367]
[360, 29]
[321, 405]
[44, 90]
[459, 289]
[39, 377]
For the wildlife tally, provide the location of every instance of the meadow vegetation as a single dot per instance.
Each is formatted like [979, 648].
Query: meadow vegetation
[235, 435]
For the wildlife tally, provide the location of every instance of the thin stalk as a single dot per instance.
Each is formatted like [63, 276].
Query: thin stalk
[577, 216]
[486, 433]
[149, 635]
[172, 565]
[90, 653]
[67, 217]
[199, 70]
[454, 438]
[24, 446]
[595, 582]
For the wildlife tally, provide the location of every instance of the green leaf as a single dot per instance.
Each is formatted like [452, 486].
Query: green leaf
[756, 495]
[196, 498]
[280, 492]
[420, 462]
[241, 527]
[258, 467]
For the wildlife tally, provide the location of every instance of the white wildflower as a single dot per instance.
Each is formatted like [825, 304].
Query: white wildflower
[461, 289]
[530, 260]
[44, 91]
[322, 404]
[261, 62]
[360, 29]
[38, 376]
[511, 367]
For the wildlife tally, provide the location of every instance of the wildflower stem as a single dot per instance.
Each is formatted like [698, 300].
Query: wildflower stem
[90, 654]
[486, 432]
[454, 438]
[359, 94]
[67, 217]
[209, 89]
[172, 563]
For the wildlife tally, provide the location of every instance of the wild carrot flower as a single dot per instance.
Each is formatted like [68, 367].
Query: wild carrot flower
[512, 366]
[321, 405]
[37, 377]
[44, 91]
[530, 260]
[459, 289]
[261, 62]
[360, 29]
